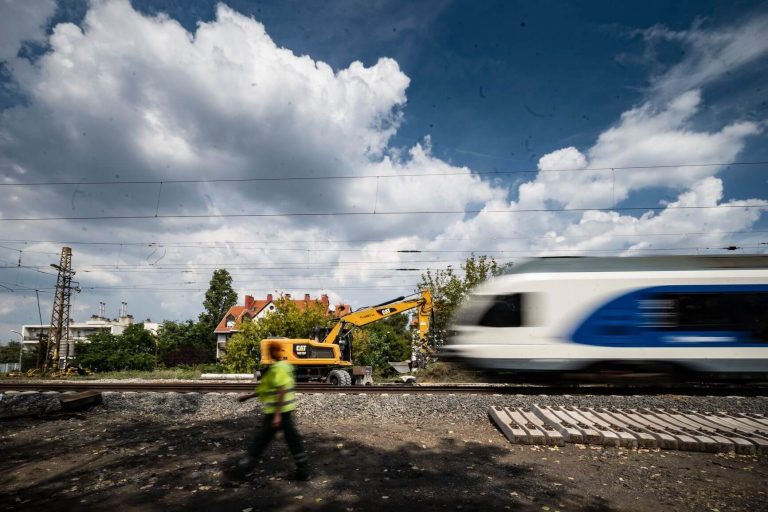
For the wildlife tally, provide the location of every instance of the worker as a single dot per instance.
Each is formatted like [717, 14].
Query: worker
[276, 393]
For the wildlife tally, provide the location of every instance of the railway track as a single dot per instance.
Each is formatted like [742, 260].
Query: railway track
[516, 389]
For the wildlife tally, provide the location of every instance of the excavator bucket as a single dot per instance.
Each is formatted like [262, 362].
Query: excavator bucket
[404, 369]
[400, 366]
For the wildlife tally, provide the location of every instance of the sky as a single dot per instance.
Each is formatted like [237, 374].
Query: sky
[304, 145]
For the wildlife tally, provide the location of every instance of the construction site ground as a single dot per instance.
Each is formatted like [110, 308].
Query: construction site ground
[101, 459]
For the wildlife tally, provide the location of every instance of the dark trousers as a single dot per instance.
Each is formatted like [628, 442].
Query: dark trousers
[266, 432]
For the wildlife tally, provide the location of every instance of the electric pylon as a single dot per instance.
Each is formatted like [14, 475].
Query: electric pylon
[59, 330]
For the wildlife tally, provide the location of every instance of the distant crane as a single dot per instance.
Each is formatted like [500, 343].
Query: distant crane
[60, 316]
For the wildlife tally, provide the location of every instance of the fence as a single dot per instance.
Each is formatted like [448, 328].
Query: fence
[8, 367]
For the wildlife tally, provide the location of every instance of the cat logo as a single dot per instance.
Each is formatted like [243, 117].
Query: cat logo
[386, 311]
[300, 350]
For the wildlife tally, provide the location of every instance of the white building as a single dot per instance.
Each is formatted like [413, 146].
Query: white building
[79, 331]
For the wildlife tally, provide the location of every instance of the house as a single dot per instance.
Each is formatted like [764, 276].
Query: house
[79, 331]
[254, 309]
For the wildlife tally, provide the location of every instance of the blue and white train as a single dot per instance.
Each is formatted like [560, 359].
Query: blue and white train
[703, 314]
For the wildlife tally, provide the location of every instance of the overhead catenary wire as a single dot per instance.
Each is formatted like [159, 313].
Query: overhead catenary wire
[384, 213]
[211, 244]
[167, 181]
[223, 244]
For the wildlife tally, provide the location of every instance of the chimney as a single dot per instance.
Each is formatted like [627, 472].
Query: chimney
[269, 297]
[248, 301]
[306, 297]
[102, 307]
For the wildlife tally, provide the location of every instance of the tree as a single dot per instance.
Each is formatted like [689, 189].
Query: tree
[10, 354]
[378, 343]
[218, 299]
[184, 343]
[287, 320]
[132, 350]
[449, 288]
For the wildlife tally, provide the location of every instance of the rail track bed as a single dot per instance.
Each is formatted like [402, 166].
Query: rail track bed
[492, 389]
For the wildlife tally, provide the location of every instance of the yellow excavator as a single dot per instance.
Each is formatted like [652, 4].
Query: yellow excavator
[329, 358]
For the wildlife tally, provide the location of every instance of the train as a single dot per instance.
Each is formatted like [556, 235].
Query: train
[619, 316]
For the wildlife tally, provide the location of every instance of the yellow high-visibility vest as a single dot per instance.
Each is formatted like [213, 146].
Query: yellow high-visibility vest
[278, 376]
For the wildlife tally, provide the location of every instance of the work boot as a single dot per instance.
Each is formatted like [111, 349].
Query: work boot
[302, 475]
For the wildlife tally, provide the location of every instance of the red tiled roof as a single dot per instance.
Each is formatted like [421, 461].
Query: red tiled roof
[240, 311]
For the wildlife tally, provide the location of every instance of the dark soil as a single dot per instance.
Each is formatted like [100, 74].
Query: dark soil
[100, 461]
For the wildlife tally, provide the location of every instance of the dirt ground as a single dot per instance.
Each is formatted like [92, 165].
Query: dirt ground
[104, 461]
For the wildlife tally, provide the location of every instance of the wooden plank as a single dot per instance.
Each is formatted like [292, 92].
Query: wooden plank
[70, 402]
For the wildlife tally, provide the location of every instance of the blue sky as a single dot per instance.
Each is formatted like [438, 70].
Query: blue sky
[158, 91]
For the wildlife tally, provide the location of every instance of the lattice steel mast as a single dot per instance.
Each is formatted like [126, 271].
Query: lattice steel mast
[59, 330]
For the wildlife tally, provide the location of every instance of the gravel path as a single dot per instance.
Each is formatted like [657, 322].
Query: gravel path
[171, 451]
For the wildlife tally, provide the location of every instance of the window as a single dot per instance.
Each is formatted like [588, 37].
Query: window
[730, 311]
[230, 321]
[504, 311]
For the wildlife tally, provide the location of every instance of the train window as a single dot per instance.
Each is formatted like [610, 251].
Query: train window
[719, 312]
[504, 311]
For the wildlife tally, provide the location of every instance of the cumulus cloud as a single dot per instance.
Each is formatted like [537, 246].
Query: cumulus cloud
[129, 97]
[645, 135]
[22, 22]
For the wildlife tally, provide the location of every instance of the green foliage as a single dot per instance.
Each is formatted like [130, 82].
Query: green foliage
[449, 288]
[287, 320]
[132, 350]
[378, 343]
[184, 343]
[243, 350]
[10, 352]
[218, 299]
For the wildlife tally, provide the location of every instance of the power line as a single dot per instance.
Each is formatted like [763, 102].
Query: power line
[365, 214]
[211, 244]
[373, 176]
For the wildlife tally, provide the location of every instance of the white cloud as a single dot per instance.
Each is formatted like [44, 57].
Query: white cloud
[22, 21]
[131, 97]
[710, 54]
[645, 135]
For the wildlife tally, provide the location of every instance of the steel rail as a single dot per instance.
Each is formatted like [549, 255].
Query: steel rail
[508, 389]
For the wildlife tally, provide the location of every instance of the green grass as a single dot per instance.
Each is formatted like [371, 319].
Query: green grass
[445, 373]
[168, 373]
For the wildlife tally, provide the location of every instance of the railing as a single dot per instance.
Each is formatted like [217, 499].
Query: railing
[9, 367]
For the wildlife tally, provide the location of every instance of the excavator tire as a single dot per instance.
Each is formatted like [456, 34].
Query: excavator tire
[340, 378]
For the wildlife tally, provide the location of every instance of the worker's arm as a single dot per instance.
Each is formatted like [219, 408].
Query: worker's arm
[243, 398]
[276, 419]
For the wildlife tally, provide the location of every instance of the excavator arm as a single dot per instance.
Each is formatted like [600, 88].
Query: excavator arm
[368, 315]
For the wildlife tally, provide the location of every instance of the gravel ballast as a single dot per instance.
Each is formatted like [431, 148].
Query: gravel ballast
[172, 451]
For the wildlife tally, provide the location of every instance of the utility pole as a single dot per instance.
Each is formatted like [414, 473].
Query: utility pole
[59, 330]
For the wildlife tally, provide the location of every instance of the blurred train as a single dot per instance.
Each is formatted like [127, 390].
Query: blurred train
[668, 315]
